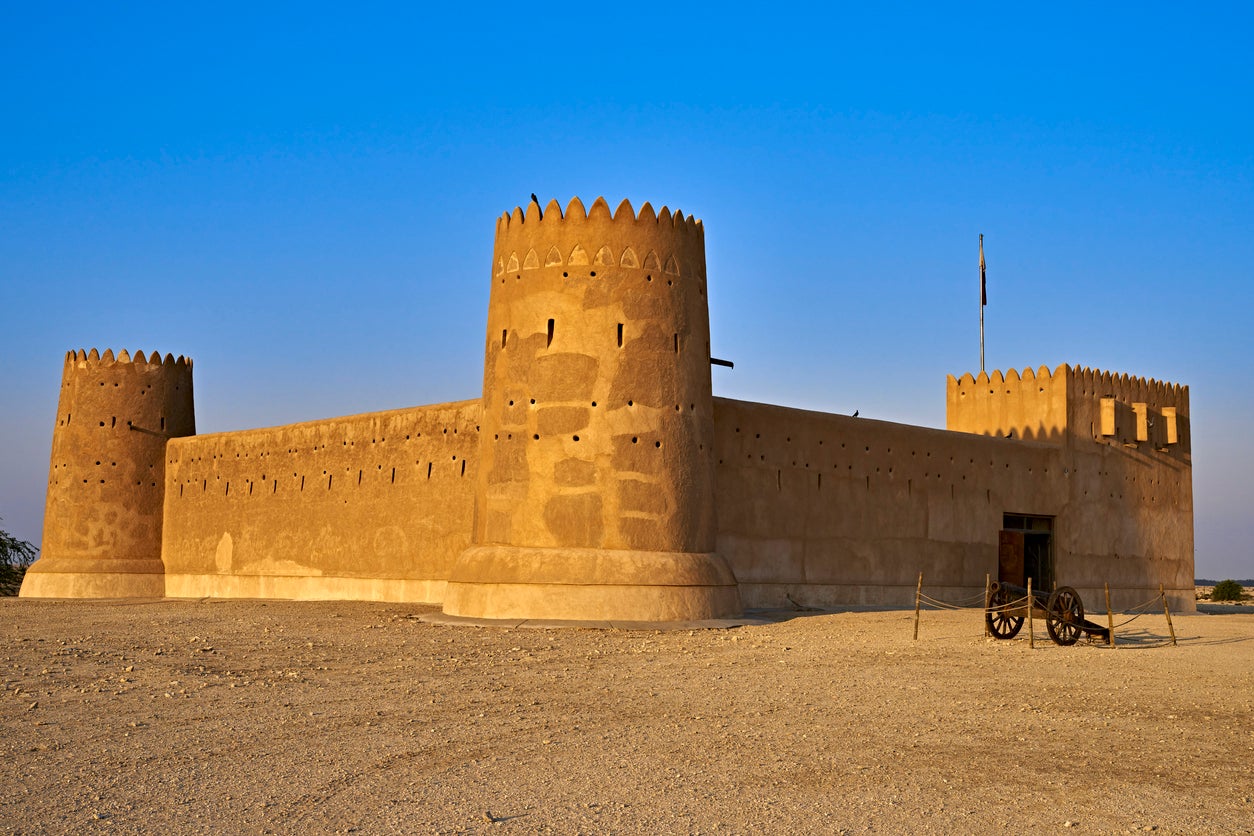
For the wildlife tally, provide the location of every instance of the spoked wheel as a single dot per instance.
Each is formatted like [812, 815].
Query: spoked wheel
[1001, 623]
[1064, 613]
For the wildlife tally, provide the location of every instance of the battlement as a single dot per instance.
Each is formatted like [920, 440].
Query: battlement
[600, 212]
[1129, 388]
[668, 244]
[1086, 381]
[1103, 406]
[95, 358]
[1133, 412]
[1010, 378]
[1029, 405]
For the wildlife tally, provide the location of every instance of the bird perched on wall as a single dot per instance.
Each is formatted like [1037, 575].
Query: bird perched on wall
[855, 413]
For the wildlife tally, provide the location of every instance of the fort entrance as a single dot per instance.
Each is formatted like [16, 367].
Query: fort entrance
[1026, 550]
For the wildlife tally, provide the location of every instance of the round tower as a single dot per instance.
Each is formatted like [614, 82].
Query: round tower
[595, 496]
[106, 483]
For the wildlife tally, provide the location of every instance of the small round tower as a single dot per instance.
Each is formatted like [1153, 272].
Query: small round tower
[106, 483]
[595, 494]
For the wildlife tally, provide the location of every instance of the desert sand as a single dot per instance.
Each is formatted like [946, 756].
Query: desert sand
[285, 717]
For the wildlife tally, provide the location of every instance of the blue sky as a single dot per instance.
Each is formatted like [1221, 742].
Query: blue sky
[302, 198]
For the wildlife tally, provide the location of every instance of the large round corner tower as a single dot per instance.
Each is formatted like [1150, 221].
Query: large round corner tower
[106, 482]
[595, 495]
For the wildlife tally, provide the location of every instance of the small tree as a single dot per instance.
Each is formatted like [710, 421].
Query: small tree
[1228, 590]
[15, 556]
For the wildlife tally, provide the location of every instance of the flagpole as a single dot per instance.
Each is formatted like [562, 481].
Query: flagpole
[983, 301]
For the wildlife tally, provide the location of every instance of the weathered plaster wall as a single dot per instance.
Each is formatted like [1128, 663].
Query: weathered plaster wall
[102, 522]
[372, 506]
[595, 498]
[597, 383]
[837, 510]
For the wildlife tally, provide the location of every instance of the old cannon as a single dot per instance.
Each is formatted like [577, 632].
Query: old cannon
[1062, 610]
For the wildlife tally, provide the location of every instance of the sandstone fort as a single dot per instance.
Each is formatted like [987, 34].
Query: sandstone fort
[597, 477]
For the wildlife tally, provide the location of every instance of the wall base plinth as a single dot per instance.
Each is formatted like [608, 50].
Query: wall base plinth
[562, 584]
[305, 588]
[834, 596]
[82, 578]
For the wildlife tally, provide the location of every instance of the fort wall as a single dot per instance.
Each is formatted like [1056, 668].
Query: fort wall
[833, 510]
[374, 507]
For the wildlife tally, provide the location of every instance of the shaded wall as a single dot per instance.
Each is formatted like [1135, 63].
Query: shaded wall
[374, 506]
[1132, 488]
[835, 510]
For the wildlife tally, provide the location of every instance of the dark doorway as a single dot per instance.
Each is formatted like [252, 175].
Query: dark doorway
[1025, 549]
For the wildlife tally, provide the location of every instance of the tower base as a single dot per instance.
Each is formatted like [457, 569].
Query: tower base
[564, 584]
[85, 578]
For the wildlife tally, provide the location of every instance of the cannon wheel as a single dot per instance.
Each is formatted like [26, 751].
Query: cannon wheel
[1000, 623]
[1064, 613]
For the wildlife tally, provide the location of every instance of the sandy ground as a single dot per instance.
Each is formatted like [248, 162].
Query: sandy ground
[281, 717]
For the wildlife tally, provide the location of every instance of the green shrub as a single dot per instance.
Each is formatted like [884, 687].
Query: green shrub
[1227, 591]
[15, 556]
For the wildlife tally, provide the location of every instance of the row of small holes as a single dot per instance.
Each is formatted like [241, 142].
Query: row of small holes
[549, 340]
[691, 406]
[314, 449]
[204, 485]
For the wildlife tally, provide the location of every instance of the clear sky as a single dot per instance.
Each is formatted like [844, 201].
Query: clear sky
[302, 198]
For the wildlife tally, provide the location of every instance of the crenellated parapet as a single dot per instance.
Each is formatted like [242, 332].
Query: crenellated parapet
[1083, 403]
[1135, 412]
[93, 358]
[106, 481]
[581, 241]
[1029, 405]
[1160, 393]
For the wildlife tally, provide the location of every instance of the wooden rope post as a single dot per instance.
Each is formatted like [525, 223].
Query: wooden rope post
[918, 593]
[1031, 637]
[1110, 620]
[1167, 613]
[987, 602]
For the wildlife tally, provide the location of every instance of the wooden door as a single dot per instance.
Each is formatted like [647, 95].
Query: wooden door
[1010, 568]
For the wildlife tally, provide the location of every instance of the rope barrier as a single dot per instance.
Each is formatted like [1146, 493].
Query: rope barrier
[1026, 605]
[1140, 610]
[1130, 620]
[1018, 604]
[936, 603]
[941, 605]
